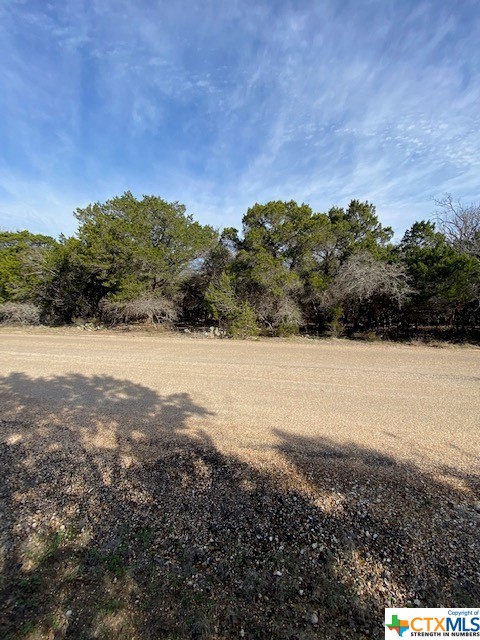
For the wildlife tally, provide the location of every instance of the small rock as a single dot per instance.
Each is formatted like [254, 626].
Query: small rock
[242, 633]
[314, 618]
[301, 592]
[417, 602]
[314, 545]
[69, 613]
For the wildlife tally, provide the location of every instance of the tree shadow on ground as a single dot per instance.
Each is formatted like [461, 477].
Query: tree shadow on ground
[107, 412]
[101, 540]
[415, 531]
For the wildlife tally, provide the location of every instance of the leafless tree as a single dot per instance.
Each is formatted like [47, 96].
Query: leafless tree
[460, 223]
[19, 313]
[361, 278]
[287, 316]
[151, 309]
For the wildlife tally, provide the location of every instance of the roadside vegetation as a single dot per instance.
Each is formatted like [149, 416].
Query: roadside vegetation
[289, 270]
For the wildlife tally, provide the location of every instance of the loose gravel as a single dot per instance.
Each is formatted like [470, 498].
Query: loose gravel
[141, 499]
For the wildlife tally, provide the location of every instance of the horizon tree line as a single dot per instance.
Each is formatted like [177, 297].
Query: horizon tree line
[289, 270]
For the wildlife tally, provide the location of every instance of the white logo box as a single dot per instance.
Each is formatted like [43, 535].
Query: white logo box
[450, 622]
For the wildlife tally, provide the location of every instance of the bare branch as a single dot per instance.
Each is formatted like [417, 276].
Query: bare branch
[460, 223]
[19, 313]
[362, 277]
[152, 309]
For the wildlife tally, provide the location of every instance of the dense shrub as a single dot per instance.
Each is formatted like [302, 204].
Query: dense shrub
[19, 313]
[335, 325]
[287, 318]
[245, 323]
[149, 309]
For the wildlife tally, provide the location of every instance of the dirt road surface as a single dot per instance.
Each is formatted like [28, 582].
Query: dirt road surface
[409, 402]
[165, 486]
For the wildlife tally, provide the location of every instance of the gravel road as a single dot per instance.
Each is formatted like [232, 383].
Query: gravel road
[165, 486]
[413, 403]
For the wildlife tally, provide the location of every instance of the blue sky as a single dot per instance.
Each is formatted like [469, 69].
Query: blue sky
[221, 104]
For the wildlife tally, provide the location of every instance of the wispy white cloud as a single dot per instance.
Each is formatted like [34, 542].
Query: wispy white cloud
[36, 205]
[224, 104]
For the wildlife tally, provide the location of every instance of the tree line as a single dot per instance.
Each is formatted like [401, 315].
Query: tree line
[289, 270]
